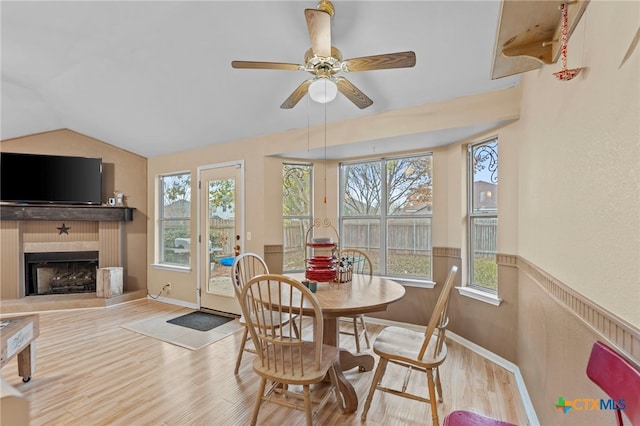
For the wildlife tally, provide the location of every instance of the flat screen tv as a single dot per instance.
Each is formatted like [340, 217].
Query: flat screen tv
[50, 179]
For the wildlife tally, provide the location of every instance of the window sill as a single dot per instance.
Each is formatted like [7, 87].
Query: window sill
[175, 268]
[482, 296]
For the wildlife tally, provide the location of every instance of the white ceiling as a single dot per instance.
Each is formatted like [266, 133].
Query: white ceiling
[155, 77]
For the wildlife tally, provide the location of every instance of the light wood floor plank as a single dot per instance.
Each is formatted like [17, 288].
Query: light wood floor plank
[91, 371]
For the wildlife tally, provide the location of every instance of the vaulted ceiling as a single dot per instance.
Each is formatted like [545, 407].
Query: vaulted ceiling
[155, 77]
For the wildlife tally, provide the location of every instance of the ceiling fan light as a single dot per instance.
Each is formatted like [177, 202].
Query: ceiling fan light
[323, 90]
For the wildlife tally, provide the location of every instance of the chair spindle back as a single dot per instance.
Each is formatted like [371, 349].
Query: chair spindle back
[267, 300]
[439, 317]
[360, 261]
[245, 267]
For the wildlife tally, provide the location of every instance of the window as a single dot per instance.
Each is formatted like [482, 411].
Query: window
[483, 216]
[296, 214]
[174, 216]
[385, 210]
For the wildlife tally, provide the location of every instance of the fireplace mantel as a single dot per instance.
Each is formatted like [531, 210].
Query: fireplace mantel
[57, 212]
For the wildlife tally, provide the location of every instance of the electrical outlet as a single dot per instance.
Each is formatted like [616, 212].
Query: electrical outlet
[167, 287]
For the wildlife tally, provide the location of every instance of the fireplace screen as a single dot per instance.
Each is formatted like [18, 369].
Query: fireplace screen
[60, 272]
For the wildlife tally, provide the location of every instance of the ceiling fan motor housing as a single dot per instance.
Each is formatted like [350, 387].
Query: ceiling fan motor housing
[323, 66]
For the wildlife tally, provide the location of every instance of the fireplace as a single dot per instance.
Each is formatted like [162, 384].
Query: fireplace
[60, 272]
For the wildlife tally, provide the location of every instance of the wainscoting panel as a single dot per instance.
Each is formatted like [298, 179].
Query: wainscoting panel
[273, 257]
[11, 259]
[619, 333]
[53, 231]
[110, 244]
[556, 331]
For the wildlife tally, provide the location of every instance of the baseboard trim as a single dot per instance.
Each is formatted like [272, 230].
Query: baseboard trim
[175, 302]
[498, 360]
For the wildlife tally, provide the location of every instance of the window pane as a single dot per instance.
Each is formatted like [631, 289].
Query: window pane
[483, 252]
[485, 178]
[296, 190]
[294, 246]
[409, 247]
[363, 234]
[222, 218]
[176, 244]
[296, 214]
[409, 186]
[176, 196]
[362, 194]
[174, 225]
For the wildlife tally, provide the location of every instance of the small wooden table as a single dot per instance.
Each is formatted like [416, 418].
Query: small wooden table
[18, 338]
[364, 294]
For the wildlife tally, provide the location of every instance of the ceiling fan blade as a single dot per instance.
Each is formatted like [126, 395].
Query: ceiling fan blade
[381, 62]
[354, 94]
[266, 65]
[297, 94]
[319, 25]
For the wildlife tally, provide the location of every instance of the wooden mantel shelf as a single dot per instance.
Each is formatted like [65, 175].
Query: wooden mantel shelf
[529, 34]
[58, 212]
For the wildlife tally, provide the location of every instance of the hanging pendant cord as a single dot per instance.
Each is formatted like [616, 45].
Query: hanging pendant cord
[325, 151]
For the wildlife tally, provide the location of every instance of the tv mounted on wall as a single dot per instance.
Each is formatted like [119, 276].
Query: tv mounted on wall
[50, 179]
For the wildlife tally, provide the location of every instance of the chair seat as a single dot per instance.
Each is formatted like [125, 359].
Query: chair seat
[286, 373]
[403, 345]
[424, 351]
[274, 318]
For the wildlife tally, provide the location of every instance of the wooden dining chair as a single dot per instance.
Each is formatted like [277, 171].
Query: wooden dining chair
[245, 267]
[360, 264]
[285, 358]
[414, 350]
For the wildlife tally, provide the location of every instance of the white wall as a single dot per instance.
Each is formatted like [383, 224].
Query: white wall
[579, 163]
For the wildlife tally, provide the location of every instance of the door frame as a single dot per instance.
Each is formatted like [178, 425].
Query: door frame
[239, 215]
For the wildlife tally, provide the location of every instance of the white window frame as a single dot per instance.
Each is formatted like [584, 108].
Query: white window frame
[160, 263]
[471, 289]
[298, 217]
[383, 217]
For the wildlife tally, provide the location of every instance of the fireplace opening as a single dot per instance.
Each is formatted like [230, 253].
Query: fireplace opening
[60, 272]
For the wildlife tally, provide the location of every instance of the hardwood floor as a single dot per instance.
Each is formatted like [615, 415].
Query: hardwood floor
[91, 371]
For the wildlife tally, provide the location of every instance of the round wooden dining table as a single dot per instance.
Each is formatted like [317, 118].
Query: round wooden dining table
[363, 294]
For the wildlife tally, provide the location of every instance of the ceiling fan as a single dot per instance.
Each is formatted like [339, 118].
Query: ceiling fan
[324, 62]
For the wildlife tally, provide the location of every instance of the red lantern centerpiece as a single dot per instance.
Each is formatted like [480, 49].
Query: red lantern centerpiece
[322, 264]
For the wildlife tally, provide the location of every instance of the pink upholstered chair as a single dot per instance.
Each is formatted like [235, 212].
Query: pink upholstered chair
[617, 378]
[468, 418]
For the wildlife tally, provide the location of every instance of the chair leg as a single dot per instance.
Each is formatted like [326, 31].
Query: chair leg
[438, 384]
[364, 331]
[377, 377]
[333, 377]
[295, 329]
[256, 407]
[307, 404]
[356, 334]
[432, 397]
[245, 334]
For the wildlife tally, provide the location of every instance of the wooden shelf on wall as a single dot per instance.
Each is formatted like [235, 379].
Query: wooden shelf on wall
[529, 34]
[69, 213]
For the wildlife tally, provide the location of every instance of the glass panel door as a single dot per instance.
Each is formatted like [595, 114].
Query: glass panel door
[220, 216]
